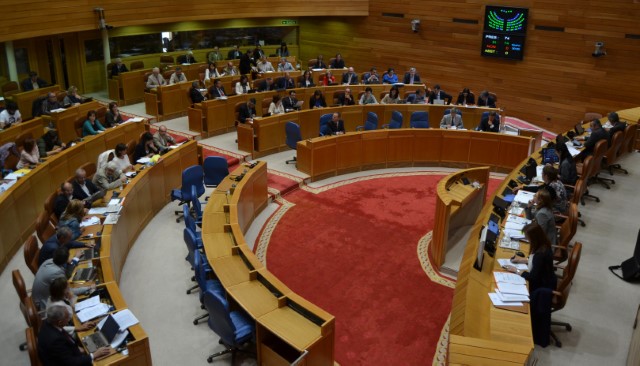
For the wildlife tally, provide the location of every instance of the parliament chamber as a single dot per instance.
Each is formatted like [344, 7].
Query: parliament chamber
[553, 87]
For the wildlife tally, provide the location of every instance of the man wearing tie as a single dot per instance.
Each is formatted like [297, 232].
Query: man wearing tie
[439, 96]
[217, 90]
[452, 120]
[350, 77]
[290, 103]
[286, 82]
[234, 54]
[247, 111]
[336, 125]
[412, 77]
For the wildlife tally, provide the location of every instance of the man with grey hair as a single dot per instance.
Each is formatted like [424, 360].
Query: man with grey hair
[452, 120]
[412, 77]
[57, 347]
[162, 139]
[62, 238]
[118, 67]
[61, 265]
[285, 65]
[84, 189]
[110, 177]
[62, 200]
[155, 79]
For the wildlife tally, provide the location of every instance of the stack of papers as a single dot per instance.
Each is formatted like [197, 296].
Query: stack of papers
[111, 219]
[572, 150]
[511, 290]
[523, 197]
[507, 262]
[90, 221]
[98, 211]
[91, 309]
[513, 227]
[135, 119]
[144, 160]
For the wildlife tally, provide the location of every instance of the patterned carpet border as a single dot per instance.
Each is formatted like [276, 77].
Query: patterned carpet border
[270, 225]
[241, 157]
[317, 190]
[440, 357]
[425, 262]
[286, 175]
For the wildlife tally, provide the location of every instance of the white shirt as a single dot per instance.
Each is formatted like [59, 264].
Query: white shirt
[265, 67]
[123, 163]
[276, 108]
[211, 75]
[6, 119]
[174, 79]
[286, 67]
[240, 90]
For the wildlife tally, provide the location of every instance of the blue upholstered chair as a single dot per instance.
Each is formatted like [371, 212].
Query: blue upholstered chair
[234, 328]
[215, 169]
[370, 124]
[191, 177]
[292, 131]
[419, 119]
[396, 121]
[324, 124]
[190, 223]
[196, 207]
[205, 283]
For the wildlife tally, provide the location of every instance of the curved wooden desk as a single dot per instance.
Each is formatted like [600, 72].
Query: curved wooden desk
[286, 324]
[35, 127]
[457, 205]
[328, 156]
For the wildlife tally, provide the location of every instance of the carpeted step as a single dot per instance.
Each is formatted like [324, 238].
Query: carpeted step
[280, 183]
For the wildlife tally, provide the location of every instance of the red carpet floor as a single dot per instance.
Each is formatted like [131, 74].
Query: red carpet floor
[352, 251]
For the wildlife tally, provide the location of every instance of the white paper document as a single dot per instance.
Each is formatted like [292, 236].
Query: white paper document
[507, 262]
[523, 197]
[97, 211]
[125, 318]
[495, 299]
[509, 288]
[90, 221]
[144, 160]
[135, 119]
[511, 297]
[93, 312]
[92, 301]
[508, 277]
[111, 219]
[572, 150]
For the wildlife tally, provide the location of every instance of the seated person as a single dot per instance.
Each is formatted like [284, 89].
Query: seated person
[392, 98]
[60, 266]
[439, 96]
[283, 50]
[30, 154]
[490, 122]
[211, 73]
[109, 177]
[328, 79]
[113, 116]
[33, 82]
[247, 111]
[568, 172]
[72, 217]
[242, 86]
[286, 82]
[350, 77]
[61, 295]
[317, 100]
[540, 273]
[597, 133]
[347, 98]
[372, 77]
[338, 62]
[285, 65]
[421, 97]
[155, 79]
[62, 238]
[368, 97]
[550, 178]
[118, 68]
[188, 58]
[145, 147]
[230, 70]
[276, 106]
[91, 126]
[6, 150]
[72, 98]
[63, 199]
[122, 159]
[267, 85]
[215, 55]
[177, 77]
[50, 104]
[195, 94]
[486, 100]
[50, 144]
[466, 97]
[390, 77]
[290, 102]
[10, 116]
[162, 140]
[616, 125]
[307, 80]
[217, 90]
[411, 77]
[336, 125]
[540, 209]
[452, 120]
[234, 54]
[265, 66]
[319, 63]
[84, 189]
[258, 52]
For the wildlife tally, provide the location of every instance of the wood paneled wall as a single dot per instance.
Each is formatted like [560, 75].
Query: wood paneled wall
[38, 18]
[556, 83]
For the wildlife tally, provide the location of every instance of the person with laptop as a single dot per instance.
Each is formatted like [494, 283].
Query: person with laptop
[162, 140]
[597, 133]
[568, 171]
[439, 96]
[291, 103]
[84, 189]
[57, 347]
[60, 294]
[109, 177]
[62, 238]
[50, 143]
[61, 265]
[551, 180]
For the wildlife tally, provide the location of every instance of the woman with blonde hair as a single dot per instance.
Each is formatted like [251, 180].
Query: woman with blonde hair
[72, 98]
[72, 217]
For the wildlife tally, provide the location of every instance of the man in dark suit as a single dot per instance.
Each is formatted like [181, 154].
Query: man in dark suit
[319, 63]
[84, 189]
[246, 61]
[234, 54]
[286, 82]
[597, 133]
[217, 90]
[62, 237]
[466, 97]
[33, 82]
[247, 111]
[336, 125]
[66, 194]
[438, 94]
[267, 85]
[616, 125]
[57, 347]
[346, 98]
[490, 123]
[118, 68]
[411, 77]
[290, 102]
[350, 77]
[486, 100]
[195, 94]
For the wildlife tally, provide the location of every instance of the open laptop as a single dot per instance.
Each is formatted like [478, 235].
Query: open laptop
[103, 337]
[96, 196]
[579, 129]
[85, 274]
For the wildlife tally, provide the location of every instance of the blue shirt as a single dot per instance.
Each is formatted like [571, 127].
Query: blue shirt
[390, 79]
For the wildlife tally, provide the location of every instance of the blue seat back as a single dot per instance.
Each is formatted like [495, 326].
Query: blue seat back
[325, 130]
[193, 176]
[325, 118]
[233, 330]
[419, 119]
[372, 122]
[195, 204]
[190, 240]
[200, 269]
[396, 120]
[484, 115]
[215, 169]
[292, 131]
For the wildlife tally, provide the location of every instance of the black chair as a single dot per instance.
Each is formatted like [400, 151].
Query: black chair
[292, 130]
